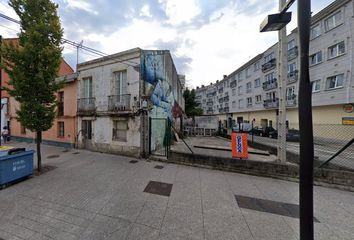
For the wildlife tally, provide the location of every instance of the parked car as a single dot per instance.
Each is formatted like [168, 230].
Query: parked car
[263, 132]
[245, 127]
[292, 135]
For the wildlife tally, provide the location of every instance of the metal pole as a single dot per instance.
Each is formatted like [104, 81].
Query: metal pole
[282, 75]
[306, 128]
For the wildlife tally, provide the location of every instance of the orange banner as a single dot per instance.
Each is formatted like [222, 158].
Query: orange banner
[239, 145]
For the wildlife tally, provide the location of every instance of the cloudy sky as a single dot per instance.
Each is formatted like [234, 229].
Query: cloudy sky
[207, 38]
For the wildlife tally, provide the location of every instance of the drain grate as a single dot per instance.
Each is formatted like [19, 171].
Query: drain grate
[53, 156]
[159, 188]
[133, 161]
[268, 206]
[158, 167]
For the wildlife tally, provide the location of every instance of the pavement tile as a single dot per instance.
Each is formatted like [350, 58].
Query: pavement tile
[142, 232]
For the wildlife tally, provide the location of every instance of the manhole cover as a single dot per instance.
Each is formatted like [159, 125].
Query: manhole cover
[158, 167]
[159, 188]
[268, 206]
[133, 161]
[53, 156]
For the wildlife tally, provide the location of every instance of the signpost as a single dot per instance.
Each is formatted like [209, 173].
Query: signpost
[239, 145]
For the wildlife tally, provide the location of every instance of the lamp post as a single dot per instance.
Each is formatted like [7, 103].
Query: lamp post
[277, 22]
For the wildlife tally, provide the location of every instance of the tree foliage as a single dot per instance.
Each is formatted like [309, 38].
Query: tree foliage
[191, 106]
[34, 64]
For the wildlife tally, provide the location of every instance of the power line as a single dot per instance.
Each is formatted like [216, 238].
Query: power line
[78, 45]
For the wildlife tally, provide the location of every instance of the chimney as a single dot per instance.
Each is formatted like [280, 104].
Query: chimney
[225, 76]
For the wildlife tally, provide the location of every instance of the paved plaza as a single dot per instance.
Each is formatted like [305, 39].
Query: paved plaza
[93, 196]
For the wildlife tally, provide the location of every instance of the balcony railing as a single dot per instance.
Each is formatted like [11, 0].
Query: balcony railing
[293, 52]
[221, 100]
[226, 99]
[60, 107]
[86, 105]
[293, 76]
[248, 90]
[270, 84]
[209, 103]
[291, 100]
[226, 109]
[210, 111]
[271, 103]
[269, 65]
[119, 103]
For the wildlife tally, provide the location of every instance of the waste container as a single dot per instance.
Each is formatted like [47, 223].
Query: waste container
[16, 166]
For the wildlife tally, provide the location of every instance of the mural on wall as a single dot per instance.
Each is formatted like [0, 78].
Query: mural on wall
[159, 74]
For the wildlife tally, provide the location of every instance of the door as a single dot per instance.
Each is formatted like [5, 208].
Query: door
[86, 128]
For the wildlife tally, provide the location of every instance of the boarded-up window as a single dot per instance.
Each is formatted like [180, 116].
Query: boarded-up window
[119, 132]
[61, 131]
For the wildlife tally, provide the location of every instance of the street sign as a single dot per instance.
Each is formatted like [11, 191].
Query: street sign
[239, 145]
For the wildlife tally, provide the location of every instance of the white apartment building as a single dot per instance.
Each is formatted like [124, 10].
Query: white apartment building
[251, 92]
[117, 95]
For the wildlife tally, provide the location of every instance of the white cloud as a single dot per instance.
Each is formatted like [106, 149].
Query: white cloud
[81, 4]
[145, 11]
[180, 11]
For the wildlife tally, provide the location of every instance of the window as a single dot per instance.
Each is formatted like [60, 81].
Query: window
[226, 104]
[315, 31]
[291, 44]
[233, 104]
[239, 76]
[60, 104]
[86, 127]
[316, 86]
[336, 50]
[234, 92]
[249, 101]
[335, 82]
[248, 72]
[120, 128]
[120, 83]
[271, 96]
[257, 82]
[269, 57]
[316, 58]
[239, 90]
[240, 103]
[258, 98]
[333, 21]
[87, 90]
[290, 93]
[249, 87]
[256, 66]
[61, 132]
[269, 77]
[291, 67]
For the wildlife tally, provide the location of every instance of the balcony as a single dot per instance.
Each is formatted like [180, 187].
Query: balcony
[60, 108]
[269, 65]
[293, 76]
[221, 100]
[226, 109]
[209, 104]
[292, 53]
[226, 99]
[248, 90]
[221, 110]
[86, 106]
[271, 103]
[233, 84]
[270, 84]
[291, 101]
[119, 103]
[210, 111]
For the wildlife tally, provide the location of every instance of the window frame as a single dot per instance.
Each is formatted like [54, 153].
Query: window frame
[316, 54]
[335, 83]
[61, 129]
[335, 24]
[337, 47]
[311, 31]
[312, 86]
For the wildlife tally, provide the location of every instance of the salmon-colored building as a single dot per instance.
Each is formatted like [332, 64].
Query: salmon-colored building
[63, 132]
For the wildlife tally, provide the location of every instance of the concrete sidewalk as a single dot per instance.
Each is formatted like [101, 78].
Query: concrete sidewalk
[99, 196]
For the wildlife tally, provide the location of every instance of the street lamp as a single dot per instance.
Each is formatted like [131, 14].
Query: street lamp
[305, 111]
[275, 22]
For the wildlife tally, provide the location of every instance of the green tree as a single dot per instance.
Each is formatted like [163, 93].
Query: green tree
[191, 106]
[34, 65]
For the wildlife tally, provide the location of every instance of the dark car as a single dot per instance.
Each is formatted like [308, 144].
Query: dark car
[293, 135]
[263, 132]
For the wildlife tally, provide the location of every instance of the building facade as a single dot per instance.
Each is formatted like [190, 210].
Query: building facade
[63, 132]
[250, 93]
[118, 94]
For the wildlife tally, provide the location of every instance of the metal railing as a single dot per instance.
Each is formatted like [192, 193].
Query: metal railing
[86, 105]
[291, 100]
[119, 103]
[268, 85]
[293, 53]
[293, 76]
[271, 103]
[269, 65]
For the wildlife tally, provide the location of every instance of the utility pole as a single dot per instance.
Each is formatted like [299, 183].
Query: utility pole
[282, 65]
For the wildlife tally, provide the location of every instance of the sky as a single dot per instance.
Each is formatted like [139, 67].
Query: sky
[207, 38]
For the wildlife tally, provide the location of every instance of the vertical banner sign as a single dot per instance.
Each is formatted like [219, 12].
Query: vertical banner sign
[239, 145]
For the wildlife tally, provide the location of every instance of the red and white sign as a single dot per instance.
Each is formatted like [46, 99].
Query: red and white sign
[239, 145]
